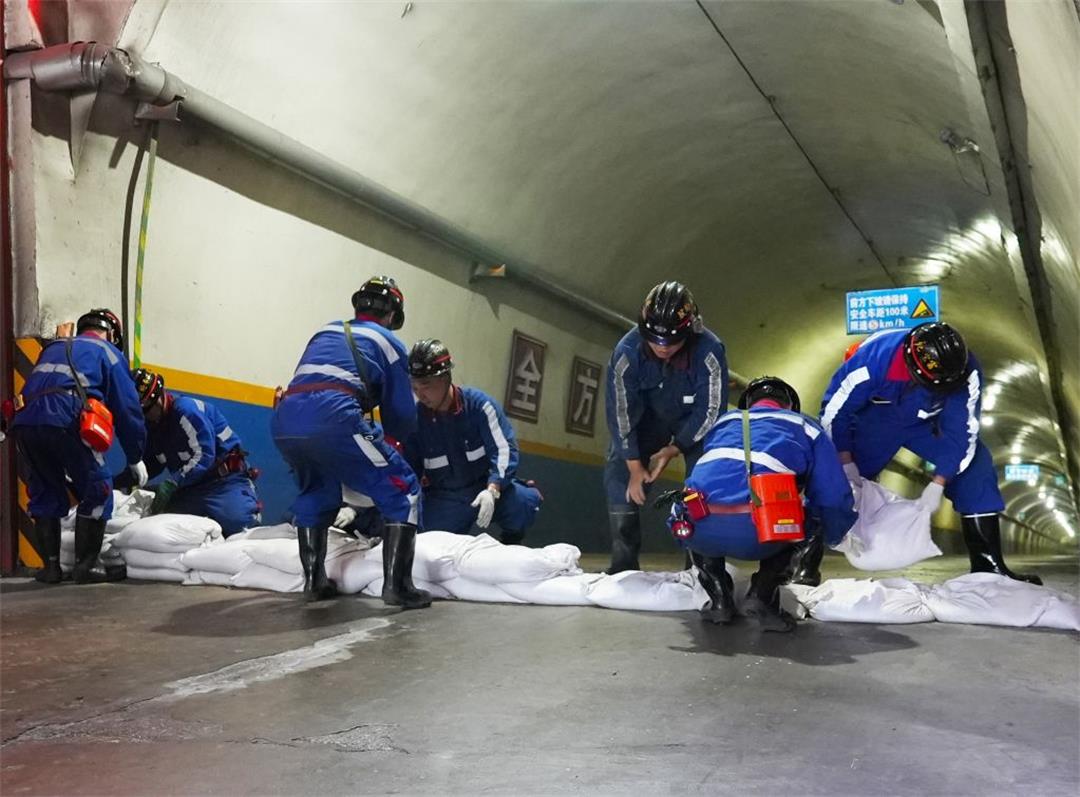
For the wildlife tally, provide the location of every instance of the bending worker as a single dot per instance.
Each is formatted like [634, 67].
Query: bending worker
[468, 453]
[63, 437]
[667, 384]
[192, 440]
[921, 390]
[715, 520]
[347, 369]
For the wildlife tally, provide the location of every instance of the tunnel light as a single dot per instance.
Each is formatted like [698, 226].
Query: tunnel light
[1050, 502]
[1032, 482]
[1014, 460]
[987, 420]
[990, 401]
[1016, 447]
[1042, 494]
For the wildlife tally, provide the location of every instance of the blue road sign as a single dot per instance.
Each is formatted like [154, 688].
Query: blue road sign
[1021, 473]
[891, 308]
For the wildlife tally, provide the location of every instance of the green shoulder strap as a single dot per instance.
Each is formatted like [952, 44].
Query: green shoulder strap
[755, 499]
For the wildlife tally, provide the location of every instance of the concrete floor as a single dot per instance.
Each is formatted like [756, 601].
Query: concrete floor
[159, 689]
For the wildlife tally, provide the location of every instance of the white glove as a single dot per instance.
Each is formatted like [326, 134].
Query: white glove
[485, 499]
[851, 471]
[138, 470]
[345, 516]
[930, 499]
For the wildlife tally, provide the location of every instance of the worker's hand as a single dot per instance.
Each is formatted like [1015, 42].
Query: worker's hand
[139, 474]
[660, 460]
[485, 501]
[635, 490]
[930, 499]
[345, 516]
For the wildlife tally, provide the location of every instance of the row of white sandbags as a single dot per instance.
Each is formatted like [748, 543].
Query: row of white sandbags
[976, 598]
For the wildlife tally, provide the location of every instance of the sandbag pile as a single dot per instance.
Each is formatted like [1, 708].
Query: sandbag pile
[975, 598]
[152, 546]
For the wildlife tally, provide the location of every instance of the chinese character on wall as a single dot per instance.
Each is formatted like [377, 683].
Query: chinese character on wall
[584, 394]
[526, 378]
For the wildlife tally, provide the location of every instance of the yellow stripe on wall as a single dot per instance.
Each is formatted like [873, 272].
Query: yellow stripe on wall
[27, 555]
[215, 386]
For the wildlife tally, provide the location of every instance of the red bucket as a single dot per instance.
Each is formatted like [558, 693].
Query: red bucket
[780, 517]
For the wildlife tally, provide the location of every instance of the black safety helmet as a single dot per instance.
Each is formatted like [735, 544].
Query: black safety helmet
[149, 385]
[105, 320]
[429, 357]
[379, 296]
[936, 356]
[769, 387]
[669, 314]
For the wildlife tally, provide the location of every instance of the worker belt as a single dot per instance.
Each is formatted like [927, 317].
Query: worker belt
[317, 387]
[729, 509]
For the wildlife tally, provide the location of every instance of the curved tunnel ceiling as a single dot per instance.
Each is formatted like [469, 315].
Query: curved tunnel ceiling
[771, 155]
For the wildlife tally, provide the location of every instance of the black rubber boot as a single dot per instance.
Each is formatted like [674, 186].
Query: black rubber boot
[763, 598]
[806, 561]
[48, 532]
[714, 577]
[312, 541]
[625, 541]
[89, 535]
[399, 549]
[982, 536]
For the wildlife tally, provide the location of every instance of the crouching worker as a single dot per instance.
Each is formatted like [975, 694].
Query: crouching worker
[468, 453]
[723, 512]
[347, 369]
[205, 458]
[80, 391]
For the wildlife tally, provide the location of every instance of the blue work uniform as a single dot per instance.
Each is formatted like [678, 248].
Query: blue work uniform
[46, 429]
[320, 428]
[460, 452]
[872, 408]
[651, 403]
[781, 441]
[194, 441]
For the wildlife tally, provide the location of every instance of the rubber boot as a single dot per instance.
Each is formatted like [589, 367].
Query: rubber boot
[806, 561]
[763, 598]
[982, 536]
[89, 535]
[625, 541]
[512, 537]
[714, 577]
[312, 541]
[48, 532]
[399, 549]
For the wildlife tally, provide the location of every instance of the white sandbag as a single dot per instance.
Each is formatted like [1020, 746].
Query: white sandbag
[355, 570]
[487, 560]
[150, 560]
[890, 533]
[281, 531]
[256, 576]
[228, 558]
[437, 553]
[282, 555]
[990, 599]
[457, 588]
[638, 590]
[850, 600]
[131, 507]
[156, 574]
[168, 533]
[201, 578]
[556, 591]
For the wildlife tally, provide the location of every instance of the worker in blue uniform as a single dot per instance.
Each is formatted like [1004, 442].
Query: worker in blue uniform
[205, 458]
[466, 450]
[47, 430]
[319, 425]
[920, 390]
[667, 383]
[780, 440]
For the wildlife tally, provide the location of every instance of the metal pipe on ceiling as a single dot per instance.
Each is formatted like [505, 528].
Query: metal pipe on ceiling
[89, 65]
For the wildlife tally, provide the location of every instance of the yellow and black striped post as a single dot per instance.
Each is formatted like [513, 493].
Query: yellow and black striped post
[27, 351]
